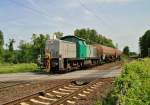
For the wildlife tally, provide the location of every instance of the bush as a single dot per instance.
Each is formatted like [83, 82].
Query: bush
[133, 86]
[14, 68]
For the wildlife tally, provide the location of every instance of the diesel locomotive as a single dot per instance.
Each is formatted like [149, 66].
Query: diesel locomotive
[71, 52]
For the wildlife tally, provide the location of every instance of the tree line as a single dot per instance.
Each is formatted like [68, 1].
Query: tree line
[92, 37]
[28, 52]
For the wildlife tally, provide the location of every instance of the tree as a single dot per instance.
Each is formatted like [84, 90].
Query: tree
[1, 45]
[39, 42]
[144, 43]
[126, 50]
[9, 55]
[25, 53]
[11, 45]
[92, 37]
[58, 34]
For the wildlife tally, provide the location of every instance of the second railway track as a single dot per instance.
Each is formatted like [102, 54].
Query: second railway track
[64, 94]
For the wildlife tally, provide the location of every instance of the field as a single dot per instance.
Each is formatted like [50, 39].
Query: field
[15, 68]
[133, 86]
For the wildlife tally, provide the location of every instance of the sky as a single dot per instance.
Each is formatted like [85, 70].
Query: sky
[124, 21]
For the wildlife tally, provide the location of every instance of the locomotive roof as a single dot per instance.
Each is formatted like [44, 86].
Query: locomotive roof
[72, 36]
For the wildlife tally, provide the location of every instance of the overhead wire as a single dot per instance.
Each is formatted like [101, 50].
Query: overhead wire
[30, 8]
[35, 10]
[93, 12]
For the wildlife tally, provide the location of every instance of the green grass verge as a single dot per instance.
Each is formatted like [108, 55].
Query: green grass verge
[133, 86]
[16, 68]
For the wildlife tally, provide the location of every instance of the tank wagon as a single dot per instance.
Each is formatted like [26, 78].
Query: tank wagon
[72, 52]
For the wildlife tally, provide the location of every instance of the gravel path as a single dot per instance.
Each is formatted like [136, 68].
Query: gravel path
[108, 70]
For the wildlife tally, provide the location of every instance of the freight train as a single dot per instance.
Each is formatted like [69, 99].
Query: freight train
[71, 52]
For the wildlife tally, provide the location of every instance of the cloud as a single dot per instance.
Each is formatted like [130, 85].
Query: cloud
[87, 12]
[59, 19]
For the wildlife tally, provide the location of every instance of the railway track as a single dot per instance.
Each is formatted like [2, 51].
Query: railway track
[64, 94]
[4, 85]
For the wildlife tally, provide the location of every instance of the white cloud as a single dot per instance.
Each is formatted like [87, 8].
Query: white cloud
[59, 19]
[87, 12]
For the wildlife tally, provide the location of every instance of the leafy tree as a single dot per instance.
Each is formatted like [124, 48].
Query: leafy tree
[126, 50]
[144, 43]
[58, 34]
[10, 46]
[133, 53]
[39, 44]
[1, 45]
[25, 54]
[92, 37]
[9, 55]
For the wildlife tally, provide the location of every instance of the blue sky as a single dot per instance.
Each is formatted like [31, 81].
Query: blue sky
[124, 21]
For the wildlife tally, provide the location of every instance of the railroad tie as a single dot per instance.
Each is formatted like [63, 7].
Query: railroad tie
[58, 92]
[49, 94]
[90, 90]
[71, 88]
[93, 87]
[87, 92]
[23, 103]
[82, 95]
[39, 102]
[75, 97]
[71, 102]
[46, 98]
[99, 83]
[74, 86]
[66, 90]
[59, 96]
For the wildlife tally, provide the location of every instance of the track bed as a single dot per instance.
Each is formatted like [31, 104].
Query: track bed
[71, 92]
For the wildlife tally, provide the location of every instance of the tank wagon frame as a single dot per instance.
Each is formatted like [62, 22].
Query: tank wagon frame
[72, 52]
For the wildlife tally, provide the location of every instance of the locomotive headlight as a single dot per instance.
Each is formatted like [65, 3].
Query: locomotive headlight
[60, 56]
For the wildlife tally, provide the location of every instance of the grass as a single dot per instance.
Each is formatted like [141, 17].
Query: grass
[16, 68]
[133, 86]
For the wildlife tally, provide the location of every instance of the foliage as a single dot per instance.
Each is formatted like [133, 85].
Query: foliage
[28, 51]
[11, 45]
[1, 45]
[132, 53]
[25, 52]
[144, 43]
[8, 56]
[133, 86]
[58, 34]
[97, 103]
[15, 68]
[92, 37]
[126, 50]
[38, 45]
